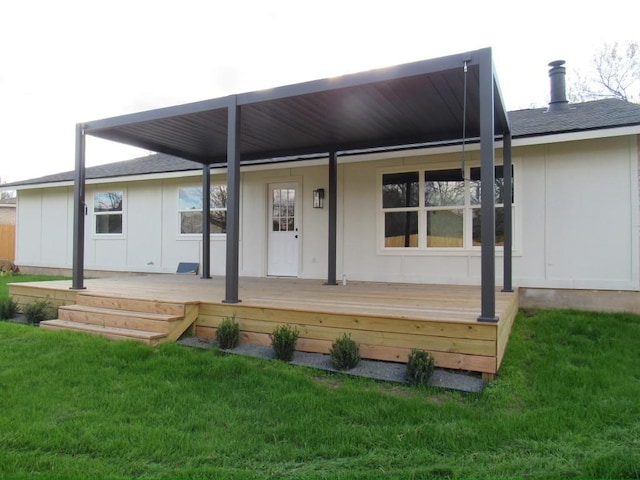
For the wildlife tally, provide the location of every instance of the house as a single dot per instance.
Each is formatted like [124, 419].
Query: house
[575, 210]
[407, 209]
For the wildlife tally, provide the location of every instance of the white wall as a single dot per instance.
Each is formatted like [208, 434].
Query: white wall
[576, 222]
[580, 205]
[45, 227]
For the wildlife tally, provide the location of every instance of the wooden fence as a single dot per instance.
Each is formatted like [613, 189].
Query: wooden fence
[8, 242]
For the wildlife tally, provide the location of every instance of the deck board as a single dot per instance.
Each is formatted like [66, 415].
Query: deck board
[387, 319]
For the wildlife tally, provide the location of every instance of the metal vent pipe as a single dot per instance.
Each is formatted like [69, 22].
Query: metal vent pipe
[557, 77]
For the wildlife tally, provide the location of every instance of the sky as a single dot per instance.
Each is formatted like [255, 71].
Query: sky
[65, 62]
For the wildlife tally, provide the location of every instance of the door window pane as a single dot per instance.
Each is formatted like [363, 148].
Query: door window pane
[283, 211]
[291, 202]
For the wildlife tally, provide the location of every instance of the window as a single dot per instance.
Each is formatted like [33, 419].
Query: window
[443, 197]
[428, 209]
[107, 210]
[499, 199]
[190, 209]
[400, 194]
[284, 215]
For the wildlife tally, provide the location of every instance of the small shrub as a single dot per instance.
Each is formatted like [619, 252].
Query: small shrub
[283, 342]
[38, 311]
[345, 353]
[8, 308]
[228, 333]
[419, 367]
[7, 267]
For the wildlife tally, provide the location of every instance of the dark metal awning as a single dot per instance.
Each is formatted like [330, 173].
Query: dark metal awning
[432, 101]
[414, 103]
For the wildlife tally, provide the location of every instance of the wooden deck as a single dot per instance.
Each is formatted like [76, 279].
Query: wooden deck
[387, 320]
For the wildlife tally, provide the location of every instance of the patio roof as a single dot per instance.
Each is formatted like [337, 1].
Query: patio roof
[438, 100]
[403, 105]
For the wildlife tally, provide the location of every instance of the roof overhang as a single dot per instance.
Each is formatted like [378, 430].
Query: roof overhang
[415, 103]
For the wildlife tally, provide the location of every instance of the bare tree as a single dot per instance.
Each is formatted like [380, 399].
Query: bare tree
[616, 74]
[6, 193]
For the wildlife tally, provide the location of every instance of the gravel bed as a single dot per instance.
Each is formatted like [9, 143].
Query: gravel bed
[383, 371]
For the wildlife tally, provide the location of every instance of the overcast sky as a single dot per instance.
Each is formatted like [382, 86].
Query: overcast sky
[64, 62]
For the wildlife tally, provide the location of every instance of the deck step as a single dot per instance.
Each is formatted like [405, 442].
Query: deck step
[131, 304]
[115, 333]
[110, 317]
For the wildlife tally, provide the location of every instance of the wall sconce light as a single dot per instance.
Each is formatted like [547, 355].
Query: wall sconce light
[318, 198]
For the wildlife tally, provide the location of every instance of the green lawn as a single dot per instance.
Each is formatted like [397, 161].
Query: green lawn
[566, 404]
[5, 280]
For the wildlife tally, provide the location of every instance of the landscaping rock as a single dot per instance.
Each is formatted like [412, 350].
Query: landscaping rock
[378, 370]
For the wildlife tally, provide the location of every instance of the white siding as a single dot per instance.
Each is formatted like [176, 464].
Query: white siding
[45, 227]
[29, 228]
[576, 222]
[581, 215]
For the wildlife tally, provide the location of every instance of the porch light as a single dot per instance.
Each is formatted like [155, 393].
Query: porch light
[318, 198]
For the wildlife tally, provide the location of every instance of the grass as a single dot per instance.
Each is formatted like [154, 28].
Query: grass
[15, 278]
[564, 405]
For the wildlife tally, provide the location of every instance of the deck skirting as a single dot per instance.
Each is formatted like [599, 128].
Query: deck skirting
[386, 320]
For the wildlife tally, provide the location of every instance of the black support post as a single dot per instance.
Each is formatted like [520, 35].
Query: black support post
[233, 201]
[206, 221]
[487, 182]
[79, 211]
[508, 216]
[333, 217]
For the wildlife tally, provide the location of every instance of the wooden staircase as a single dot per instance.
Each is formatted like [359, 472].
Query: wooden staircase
[148, 321]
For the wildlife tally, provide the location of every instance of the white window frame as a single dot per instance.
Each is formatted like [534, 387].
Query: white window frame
[468, 209]
[212, 209]
[121, 212]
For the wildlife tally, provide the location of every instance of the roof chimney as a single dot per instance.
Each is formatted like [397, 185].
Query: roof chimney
[557, 74]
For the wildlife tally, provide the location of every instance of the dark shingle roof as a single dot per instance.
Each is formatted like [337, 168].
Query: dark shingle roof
[153, 163]
[599, 114]
[596, 115]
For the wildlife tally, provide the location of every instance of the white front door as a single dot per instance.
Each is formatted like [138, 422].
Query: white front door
[282, 255]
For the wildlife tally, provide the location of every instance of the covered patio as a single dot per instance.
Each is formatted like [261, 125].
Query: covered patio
[449, 100]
